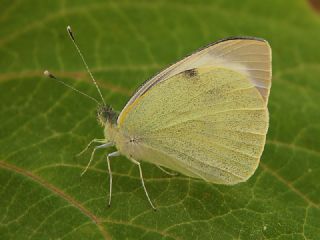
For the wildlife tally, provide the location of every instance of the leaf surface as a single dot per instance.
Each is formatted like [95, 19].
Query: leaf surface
[44, 125]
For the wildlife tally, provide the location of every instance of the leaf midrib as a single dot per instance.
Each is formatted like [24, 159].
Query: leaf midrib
[95, 219]
[98, 222]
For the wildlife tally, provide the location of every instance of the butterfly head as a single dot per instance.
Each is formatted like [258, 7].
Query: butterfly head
[105, 114]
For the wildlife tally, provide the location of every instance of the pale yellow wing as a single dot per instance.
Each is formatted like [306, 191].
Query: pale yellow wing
[208, 122]
[248, 55]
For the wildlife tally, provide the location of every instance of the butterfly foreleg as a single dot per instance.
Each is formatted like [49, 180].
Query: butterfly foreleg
[92, 154]
[142, 181]
[114, 154]
[90, 143]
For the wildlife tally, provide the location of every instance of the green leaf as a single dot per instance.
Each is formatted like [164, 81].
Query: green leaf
[44, 125]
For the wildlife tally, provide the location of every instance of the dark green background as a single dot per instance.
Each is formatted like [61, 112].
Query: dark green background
[43, 124]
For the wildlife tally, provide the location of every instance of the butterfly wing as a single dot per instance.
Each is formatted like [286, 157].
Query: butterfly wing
[251, 56]
[208, 122]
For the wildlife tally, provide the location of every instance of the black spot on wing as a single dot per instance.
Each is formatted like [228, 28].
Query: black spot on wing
[191, 72]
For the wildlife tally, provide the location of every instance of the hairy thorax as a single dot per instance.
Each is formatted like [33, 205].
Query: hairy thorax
[126, 143]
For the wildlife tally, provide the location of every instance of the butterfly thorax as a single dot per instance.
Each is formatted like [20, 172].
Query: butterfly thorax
[107, 117]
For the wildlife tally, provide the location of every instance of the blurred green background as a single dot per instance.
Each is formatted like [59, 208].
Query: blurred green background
[43, 124]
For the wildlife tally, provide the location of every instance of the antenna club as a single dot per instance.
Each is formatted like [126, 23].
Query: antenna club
[48, 74]
[70, 32]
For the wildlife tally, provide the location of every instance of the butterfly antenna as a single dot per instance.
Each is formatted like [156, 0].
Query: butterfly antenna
[86, 65]
[50, 75]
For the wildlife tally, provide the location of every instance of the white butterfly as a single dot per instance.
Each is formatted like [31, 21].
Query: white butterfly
[205, 116]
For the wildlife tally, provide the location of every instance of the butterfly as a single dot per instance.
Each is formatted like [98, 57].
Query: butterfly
[205, 116]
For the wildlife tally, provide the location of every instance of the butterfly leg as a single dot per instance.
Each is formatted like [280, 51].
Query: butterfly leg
[90, 143]
[142, 181]
[114, 154]
[92, 154]
[167, 172]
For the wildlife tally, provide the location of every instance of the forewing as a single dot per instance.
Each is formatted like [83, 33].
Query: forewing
[250, 56]
[210, 122]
